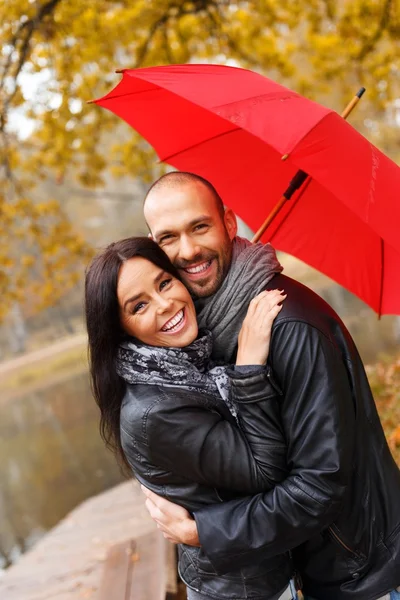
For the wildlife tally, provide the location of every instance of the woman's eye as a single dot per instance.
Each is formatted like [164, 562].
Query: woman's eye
[165, 283]
[138, 307]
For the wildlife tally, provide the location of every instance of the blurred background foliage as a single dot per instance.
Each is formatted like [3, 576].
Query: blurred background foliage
[72, 178]
[57, 54]
[384, 378]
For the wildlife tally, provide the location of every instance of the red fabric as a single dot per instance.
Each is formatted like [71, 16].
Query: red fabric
[232, 126]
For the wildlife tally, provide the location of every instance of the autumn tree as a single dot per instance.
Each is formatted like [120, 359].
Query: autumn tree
[67, 51]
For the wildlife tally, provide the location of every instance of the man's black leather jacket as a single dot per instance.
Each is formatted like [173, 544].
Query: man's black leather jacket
[187, 447]
[339, 506]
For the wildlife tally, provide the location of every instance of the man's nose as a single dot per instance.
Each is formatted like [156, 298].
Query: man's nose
[187, 249]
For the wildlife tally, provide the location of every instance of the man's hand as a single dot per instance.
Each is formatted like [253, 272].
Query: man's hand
[174, 521]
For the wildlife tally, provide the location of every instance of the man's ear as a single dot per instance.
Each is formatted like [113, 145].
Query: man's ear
[230, 223]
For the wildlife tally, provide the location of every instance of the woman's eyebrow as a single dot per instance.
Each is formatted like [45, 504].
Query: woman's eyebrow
[132, 299]
[137, 296]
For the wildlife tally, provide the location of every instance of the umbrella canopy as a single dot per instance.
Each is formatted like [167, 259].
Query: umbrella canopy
[232, 126]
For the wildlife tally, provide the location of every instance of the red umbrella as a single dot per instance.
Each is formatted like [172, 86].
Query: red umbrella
[233, 126]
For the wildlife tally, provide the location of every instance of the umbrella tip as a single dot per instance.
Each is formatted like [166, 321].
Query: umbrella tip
[119, 70]
[360, 92]
[285, 156]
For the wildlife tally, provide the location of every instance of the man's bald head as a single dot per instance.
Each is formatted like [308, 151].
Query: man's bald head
[174, 181]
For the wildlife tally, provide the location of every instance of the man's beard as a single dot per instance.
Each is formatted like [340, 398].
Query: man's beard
[202, 288]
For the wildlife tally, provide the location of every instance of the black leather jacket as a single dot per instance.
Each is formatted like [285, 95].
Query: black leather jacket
[187, 447]
[340, 503]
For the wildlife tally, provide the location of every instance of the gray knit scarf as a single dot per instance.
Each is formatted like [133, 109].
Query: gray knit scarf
[189, 368]
[252, 267]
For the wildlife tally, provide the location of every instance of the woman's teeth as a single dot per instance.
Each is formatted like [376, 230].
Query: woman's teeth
[174, 323]
[198, 268]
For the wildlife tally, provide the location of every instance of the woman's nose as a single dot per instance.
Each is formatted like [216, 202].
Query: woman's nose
[163, 304]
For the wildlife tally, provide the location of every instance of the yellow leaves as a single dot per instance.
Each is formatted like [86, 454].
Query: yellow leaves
[41, 261]
[394, 439]
[27, 261]
[384, 378]
[319, 47]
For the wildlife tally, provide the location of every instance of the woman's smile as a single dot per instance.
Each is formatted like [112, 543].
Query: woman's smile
[176, 323]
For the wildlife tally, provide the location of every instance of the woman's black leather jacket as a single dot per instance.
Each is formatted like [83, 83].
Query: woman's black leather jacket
[187, 447]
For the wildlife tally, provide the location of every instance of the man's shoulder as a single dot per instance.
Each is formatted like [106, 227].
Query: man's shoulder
[304, 305]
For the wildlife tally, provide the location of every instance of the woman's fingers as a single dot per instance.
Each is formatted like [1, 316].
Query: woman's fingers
[268, 301]
[268, 296]
[255, 334]
[261, 304]
[268, 309]
[255, 301]
[272, 313]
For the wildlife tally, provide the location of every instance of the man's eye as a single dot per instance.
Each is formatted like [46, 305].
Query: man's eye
[200, 226]
[165, 239]
[138, 307]
[165, 283]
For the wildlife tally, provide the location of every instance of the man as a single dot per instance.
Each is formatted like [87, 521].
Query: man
[339, 507]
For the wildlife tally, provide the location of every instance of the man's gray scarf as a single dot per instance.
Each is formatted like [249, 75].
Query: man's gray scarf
[187, 368]
[252, 267]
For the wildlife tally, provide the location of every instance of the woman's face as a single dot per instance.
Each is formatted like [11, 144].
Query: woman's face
[155, 307]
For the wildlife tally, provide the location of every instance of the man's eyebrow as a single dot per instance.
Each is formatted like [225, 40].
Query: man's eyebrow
[137, 296]
[196, 221]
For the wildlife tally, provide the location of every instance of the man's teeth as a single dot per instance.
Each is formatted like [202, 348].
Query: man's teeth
[198, 268]
[174, 322]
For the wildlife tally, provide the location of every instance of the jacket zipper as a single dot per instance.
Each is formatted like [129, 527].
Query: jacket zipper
[337, 538]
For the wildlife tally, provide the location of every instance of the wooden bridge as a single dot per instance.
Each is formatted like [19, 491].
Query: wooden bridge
[108, 548]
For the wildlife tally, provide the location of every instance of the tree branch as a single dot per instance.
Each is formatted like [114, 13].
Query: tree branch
[22, 38]
[175, 11]
[382, 25]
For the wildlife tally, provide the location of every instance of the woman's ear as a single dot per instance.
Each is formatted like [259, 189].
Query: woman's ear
[230, 223]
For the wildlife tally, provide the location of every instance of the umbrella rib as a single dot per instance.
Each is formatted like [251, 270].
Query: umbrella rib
[214, 137]
[108, 97]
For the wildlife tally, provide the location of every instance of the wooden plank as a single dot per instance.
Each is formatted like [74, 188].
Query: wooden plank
[116, 572]
[149, 577]
[172, 569]
[140, 569]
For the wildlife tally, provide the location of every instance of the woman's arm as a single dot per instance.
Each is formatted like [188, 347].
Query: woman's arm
[188, 436]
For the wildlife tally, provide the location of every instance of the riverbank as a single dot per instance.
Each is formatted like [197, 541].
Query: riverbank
[31, 370]
[66, 563]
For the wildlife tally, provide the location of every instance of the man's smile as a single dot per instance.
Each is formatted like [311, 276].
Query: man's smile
[199, 270]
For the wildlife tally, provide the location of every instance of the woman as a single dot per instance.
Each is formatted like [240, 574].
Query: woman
[193, 435]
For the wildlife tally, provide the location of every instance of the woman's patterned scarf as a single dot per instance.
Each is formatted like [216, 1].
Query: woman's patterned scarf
[188, 367]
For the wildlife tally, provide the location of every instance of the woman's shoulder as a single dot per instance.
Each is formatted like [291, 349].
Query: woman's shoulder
[138, 399]
[147, 410]
[141, 400]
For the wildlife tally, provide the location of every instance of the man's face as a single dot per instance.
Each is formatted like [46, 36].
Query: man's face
[186, 223]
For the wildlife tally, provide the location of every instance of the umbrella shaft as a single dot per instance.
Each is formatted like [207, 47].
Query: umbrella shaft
[300, 176]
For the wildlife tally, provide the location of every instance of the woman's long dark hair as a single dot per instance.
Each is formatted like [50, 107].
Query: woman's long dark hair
[105, 332]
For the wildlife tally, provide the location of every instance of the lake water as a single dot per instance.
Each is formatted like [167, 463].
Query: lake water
[51, 459]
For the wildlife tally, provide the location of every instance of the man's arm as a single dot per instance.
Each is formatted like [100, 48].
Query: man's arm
[318, 419]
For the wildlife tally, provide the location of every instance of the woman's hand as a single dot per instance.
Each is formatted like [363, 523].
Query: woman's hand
[255, 334]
